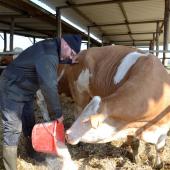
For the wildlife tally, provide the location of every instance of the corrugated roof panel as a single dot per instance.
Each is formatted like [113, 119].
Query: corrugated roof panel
[142, 43]
[123, 43]
[143, 27]
[143, 37]
[144, 10]
[75, 17]
[114, 29]
[102, 14]
[120, 38]
[87, 1]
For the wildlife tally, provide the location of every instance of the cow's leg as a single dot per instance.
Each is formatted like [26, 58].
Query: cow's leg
[159, 150]
[134, 144]
[158, 160]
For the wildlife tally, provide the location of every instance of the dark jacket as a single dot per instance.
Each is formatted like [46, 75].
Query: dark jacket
[35, 68]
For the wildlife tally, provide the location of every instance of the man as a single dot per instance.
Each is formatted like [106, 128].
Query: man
[34, 68]
[6, 60]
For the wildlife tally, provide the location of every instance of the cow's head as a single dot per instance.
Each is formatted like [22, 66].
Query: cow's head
[91, 127]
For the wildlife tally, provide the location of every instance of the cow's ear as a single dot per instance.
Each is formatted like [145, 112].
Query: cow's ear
[93, 120]
[97, 119]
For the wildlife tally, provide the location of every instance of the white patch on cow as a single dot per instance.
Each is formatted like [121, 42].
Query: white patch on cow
[156, 137]
[161, 141]
[100, 135]
[75, 135]
[83, 81]
[125, 65]
[106, 133]
[92, 107]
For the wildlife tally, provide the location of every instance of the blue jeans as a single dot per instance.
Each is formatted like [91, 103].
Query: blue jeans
[16, 116]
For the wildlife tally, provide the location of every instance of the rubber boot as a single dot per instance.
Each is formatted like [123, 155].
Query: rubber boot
[10, 157]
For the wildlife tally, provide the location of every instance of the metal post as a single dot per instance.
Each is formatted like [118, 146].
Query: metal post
[88, 44]
[34, 41]
[5, 42]
[102, 40]
[133, 43]
[153, 45]
[166, 29]
[58, 18]
[157, 38]
[12, 34]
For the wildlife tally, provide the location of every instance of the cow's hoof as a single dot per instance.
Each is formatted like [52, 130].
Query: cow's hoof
[158, 166]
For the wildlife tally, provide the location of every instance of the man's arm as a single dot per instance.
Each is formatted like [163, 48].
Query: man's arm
[46, 69]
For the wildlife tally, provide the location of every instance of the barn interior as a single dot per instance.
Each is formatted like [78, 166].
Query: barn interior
[142, 24]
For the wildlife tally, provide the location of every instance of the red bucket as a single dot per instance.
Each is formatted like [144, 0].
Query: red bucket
[45, 136]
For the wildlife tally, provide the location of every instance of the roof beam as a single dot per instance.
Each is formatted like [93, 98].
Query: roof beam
[23, 34]
[126, 19]
[134, 33]
[28, 10]
[83, 15]
[27, 29]
[131, 41]
[124, 23]
[19, 16]
[98, 3]
[9, 4]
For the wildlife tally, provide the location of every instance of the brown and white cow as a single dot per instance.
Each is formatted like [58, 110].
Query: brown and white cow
[123, 92]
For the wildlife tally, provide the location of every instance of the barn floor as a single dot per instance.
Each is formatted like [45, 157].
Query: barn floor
[114, 155]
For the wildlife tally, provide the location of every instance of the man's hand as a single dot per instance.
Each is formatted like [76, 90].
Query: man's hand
[60, 119]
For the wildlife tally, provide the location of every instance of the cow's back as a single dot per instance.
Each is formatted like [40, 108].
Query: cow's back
[103, 63]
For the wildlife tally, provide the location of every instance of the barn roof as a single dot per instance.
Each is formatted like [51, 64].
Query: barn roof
[31, 20]
[127, 22]
[119, 21]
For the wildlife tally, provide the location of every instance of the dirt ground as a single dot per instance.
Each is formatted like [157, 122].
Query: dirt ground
[110, 156]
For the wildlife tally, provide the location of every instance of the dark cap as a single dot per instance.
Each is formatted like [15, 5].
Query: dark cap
[74, 41]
